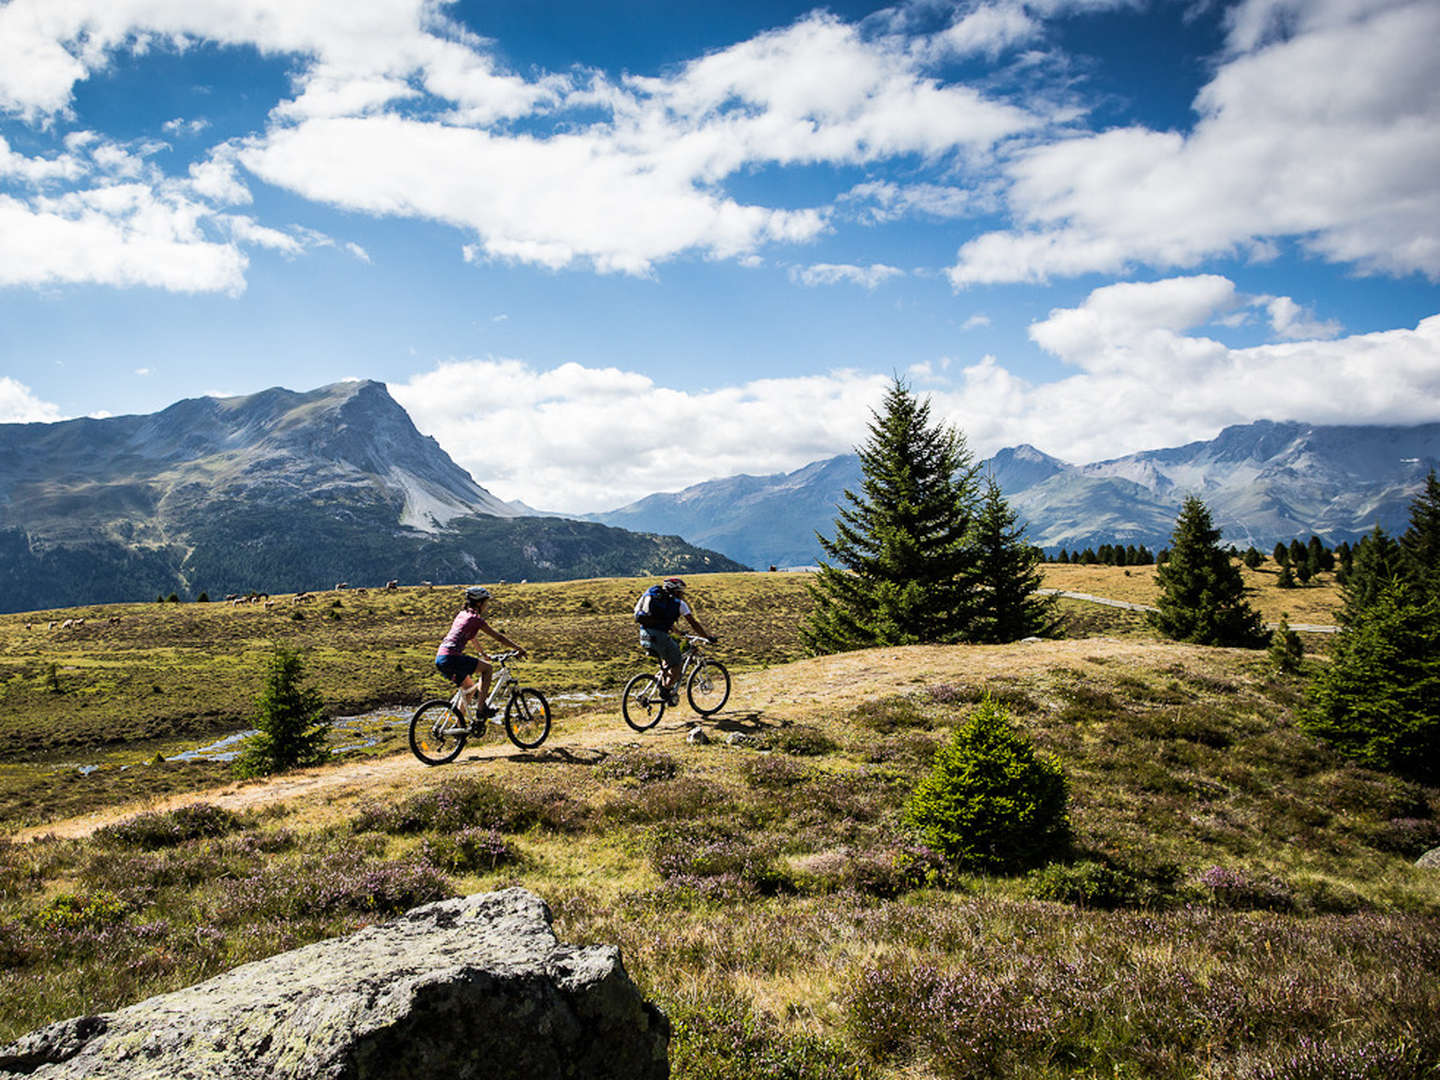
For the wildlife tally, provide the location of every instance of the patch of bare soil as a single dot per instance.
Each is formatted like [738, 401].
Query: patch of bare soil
[803, 691]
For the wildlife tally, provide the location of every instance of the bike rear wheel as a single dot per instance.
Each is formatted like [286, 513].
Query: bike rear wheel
[643, 702]
[527, 718]
[437, 733]
[708, 688]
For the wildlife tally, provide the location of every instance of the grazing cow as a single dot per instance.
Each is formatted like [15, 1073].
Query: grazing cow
[341, 585]
[80, 622]
[232, 597]
[392, 584]
[67, 624]
[51, 626]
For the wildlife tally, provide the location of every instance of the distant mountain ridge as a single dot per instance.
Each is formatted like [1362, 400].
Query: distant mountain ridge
[275, 491]
[1263, 482]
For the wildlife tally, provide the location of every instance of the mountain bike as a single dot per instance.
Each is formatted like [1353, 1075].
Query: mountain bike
[706, 681]
[439, 730]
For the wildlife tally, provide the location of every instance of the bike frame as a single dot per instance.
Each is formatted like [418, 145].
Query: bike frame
[500, 679]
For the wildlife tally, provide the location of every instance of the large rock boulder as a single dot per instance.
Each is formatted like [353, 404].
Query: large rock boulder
[1430, 859]
[474, 987]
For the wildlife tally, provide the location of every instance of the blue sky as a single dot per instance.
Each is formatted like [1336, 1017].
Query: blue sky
[604, 249]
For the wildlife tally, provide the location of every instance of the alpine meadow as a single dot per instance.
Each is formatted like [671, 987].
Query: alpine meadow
[803, 540]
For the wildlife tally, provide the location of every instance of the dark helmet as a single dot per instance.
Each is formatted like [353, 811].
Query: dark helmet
[476, 595]
[673, 584]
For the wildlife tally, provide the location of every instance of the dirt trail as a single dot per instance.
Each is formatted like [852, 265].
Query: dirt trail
[806, 690]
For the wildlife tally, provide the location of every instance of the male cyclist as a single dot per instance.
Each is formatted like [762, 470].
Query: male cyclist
[451, 658]
[659, 608]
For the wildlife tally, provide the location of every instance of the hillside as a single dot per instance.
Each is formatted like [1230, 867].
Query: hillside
[274, 492]
[1238, 903]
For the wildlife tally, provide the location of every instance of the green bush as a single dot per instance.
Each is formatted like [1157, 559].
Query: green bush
[991, 802]
[1378, 701]
[158, 829]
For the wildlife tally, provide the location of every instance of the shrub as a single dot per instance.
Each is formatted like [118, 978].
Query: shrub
[724, 1037]
[990, 802]
[640, 765]
[157, 829]
[890, 714]
[470, 850]
[1086, 883]
[803, 741]
[462, 803]
[291, 720]
[330, 885]
[688, 854]
[1235, 889]
[71, 911]
[773, 773]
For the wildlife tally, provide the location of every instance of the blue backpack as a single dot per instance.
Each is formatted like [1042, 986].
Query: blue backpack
[658, 609]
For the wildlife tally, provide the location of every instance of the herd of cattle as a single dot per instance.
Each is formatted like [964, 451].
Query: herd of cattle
[234, 599]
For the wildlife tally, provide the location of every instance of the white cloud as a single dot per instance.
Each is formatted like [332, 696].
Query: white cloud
[358, 251]
[181, 126]
[142, 371]
[19, 406]
[974, 322]
[1324, 135]
[122, 235]
[641, 184]
[581, 439]
[1291, 321]
[836, 274]
[880, 201]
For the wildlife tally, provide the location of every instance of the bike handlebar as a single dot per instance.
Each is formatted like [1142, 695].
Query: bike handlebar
[503, 657]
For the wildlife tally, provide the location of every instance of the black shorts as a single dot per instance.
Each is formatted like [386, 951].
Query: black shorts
[457, 667]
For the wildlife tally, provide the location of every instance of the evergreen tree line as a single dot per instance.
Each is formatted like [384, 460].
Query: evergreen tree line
[1109, 555]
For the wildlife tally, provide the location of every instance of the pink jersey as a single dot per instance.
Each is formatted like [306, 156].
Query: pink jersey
[466, 625]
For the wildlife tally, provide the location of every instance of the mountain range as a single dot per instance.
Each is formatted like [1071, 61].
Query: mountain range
[1262, 482]
[282, 491]
[277, 491]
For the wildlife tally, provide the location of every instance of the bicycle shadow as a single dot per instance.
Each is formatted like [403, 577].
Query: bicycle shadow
[549, 755]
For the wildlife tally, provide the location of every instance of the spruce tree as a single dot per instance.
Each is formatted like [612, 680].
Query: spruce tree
[900, 569]
[1377, 561]
[1281, 554]
[1202, 595]
[290, 718]
[1376, 701]
[1421, 541]
[1009, 607]
[1285, 647]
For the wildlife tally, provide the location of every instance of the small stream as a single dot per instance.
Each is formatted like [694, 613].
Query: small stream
[353, 732]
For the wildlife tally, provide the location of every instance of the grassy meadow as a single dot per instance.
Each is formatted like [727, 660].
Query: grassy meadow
[1238, 903]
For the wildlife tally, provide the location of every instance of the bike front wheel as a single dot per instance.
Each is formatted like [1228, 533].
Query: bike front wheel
[527, 719]
[643, 702]
[437, 733]
[709, 687]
